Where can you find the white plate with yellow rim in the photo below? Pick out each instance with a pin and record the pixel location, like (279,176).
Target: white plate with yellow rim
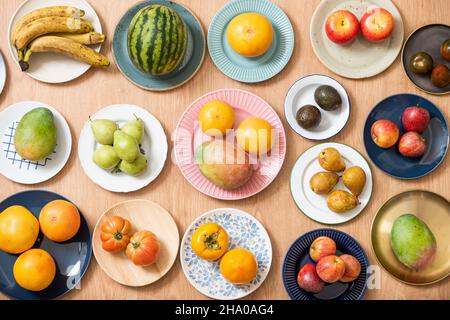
(314,205)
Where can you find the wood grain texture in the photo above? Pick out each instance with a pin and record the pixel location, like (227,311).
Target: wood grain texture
(144,215)
(273,207)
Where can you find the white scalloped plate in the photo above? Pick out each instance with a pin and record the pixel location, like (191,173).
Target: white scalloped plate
(154,144)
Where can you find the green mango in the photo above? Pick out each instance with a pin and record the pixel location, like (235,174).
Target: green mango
(223,164)
(412,242)
(35,136)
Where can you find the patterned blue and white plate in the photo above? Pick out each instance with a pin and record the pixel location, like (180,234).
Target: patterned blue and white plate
(298,255)
(257,69)
(243,231)
(20,170)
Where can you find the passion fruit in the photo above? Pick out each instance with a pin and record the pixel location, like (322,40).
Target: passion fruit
(308,116)
(445,50)
(327,98)
(421,63)
(440,76)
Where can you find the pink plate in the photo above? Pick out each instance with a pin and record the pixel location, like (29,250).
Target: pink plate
(188,136)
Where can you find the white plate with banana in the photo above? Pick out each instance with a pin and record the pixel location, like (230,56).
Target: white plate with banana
(56,41)
(122,148)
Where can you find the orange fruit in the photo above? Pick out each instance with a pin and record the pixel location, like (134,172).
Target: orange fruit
(59,220)
(250,34)
(19,229)
(239,266)
(254,135)
(34,270)
(216,117)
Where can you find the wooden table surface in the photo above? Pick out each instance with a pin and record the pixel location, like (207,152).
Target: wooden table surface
(274,206)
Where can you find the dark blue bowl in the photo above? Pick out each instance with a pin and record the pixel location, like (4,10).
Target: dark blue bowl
(71,257)
(298,255)
(390,160)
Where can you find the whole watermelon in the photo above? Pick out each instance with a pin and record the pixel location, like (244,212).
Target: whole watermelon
(157,40)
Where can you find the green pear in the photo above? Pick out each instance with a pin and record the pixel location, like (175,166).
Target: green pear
(134,128)
(105,157)
(134,168)
(103,131)
(126,147)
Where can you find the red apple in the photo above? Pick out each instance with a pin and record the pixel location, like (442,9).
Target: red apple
(412,145)
(415,119)
(377,24)
(308,279)
(384,133)
(352,268)
(330,268)
(322,247)
(342,26)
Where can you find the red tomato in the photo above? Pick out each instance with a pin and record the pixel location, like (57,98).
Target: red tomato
(143,248)
(114,234)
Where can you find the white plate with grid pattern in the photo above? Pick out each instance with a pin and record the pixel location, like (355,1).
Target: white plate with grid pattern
(20,170)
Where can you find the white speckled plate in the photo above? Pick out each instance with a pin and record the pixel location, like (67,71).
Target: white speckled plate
(361,58)
(243,231)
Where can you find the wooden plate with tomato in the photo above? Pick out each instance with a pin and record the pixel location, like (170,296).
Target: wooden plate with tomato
(130,233)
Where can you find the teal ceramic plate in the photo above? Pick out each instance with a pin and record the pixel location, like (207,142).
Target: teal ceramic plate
(257,69)
(194,55)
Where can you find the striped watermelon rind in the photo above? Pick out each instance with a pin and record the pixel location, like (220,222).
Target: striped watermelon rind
(157,40)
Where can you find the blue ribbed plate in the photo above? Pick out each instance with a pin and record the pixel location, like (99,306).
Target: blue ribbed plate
(194,55)
(298,255)
(257,69)
(71,257)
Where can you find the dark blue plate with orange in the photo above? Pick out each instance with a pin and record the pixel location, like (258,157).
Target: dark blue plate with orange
(71,257)
(298,255)
(390,160)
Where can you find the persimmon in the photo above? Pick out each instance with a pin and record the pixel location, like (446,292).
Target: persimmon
(239,266)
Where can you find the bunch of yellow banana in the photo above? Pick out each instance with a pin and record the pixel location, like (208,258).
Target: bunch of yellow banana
(57,29)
